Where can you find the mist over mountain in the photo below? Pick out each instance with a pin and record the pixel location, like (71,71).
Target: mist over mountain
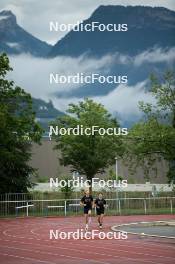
(148,46)
(147,27)
(15,40)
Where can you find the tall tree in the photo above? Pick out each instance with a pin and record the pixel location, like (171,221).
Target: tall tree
(154,137)
(88,154)
(18,129)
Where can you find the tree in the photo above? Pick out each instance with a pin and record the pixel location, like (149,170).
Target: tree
(68,189)
(88,154)
(17,130)
(154,137)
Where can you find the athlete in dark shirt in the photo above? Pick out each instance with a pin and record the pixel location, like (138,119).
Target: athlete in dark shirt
(100,205)
(87,203)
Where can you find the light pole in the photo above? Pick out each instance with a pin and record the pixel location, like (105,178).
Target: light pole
(74,176)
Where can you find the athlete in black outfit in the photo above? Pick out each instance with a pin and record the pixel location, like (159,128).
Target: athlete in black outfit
(87,202)
(100,204)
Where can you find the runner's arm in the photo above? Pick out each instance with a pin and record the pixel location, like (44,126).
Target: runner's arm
(82,203)
(95,204)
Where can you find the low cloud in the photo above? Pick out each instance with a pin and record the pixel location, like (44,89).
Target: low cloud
(123,100)
(156,55)
(33,75)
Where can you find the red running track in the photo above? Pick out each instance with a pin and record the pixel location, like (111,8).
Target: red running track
(26,241)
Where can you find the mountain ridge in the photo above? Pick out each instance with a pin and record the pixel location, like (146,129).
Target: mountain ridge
(16,40)
(146,26)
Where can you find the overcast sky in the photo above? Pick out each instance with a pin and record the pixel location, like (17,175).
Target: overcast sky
(34,16)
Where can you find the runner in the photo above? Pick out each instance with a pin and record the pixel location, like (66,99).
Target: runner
(87,202)
(100,204)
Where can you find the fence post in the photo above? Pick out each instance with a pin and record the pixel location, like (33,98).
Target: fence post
(145,206)
(171,205)
(116,205)
(65,207)
(6,204)
(119,206)
(16,211)
(27,209)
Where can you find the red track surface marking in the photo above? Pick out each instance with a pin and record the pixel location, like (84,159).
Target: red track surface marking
(26,241)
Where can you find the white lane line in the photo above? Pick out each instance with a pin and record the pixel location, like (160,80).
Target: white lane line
(96,253)
(106,242)
(126,251)
(27,258)
(55,254)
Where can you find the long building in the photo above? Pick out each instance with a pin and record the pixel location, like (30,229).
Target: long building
(46,160)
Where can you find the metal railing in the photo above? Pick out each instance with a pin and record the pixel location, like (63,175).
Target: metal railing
(68,207)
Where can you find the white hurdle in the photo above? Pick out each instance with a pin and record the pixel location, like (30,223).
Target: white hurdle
(24,206)
(58,206)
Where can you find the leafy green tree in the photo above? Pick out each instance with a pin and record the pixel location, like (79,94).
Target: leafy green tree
(17,130)
(112,176)
(154,137)
(88,154)
(68,189)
